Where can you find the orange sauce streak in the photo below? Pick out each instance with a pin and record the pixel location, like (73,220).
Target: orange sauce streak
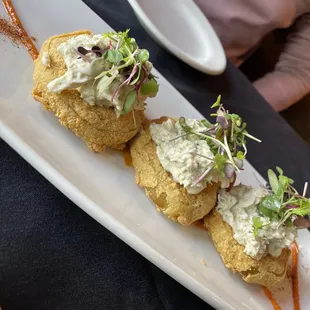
(296,301)
(200,224)
(295,276)
(271,299)
(27,42)
(159,120)
(127,157)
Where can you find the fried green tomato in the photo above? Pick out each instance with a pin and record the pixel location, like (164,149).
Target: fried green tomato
(170,197)
(97,126)
(267,271)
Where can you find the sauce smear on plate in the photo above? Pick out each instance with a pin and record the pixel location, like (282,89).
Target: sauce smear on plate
(294,282)
(127,157)
(271,299)
(295,276)
(9,30)
(25,39)
(200,224)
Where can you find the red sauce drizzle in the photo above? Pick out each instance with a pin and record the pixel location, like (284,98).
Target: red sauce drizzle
(127,157)
(27,42)
(271,299)
(295,276)
(159,120)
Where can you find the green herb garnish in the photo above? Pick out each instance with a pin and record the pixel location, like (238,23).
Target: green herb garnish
(113,57)
(149,88)
(131,97)
(226,139)
(270,206)
(143,56)
(257,224)
(123,57)
(283,203)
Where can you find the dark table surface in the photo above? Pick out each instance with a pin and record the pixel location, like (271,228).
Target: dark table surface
(54,256)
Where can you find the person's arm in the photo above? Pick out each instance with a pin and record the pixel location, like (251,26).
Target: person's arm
(290,81)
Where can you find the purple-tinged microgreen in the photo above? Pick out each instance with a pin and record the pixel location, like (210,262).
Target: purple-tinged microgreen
(126,82)
(226,139)
(82,55)
(201,177)
(283,203)
(122,55)
(193,154)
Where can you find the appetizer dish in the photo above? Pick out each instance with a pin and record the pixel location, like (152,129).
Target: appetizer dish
(252,228)
(181,163)
(96,85)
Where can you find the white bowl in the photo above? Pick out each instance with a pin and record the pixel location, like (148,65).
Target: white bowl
(180,27)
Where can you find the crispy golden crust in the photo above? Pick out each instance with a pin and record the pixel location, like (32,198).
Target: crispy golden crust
(97,126)
(170,197)
(267,271)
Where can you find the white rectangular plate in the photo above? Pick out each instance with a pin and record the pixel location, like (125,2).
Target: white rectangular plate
(103,186)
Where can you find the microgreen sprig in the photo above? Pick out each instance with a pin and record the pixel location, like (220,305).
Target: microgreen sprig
(124,57)
(226,139)
(284,204)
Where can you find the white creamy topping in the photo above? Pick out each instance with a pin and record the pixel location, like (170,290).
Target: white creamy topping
(46,61)
(80,74)
(238,208)
(178,156)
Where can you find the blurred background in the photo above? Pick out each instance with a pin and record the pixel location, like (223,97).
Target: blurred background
(262,61)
